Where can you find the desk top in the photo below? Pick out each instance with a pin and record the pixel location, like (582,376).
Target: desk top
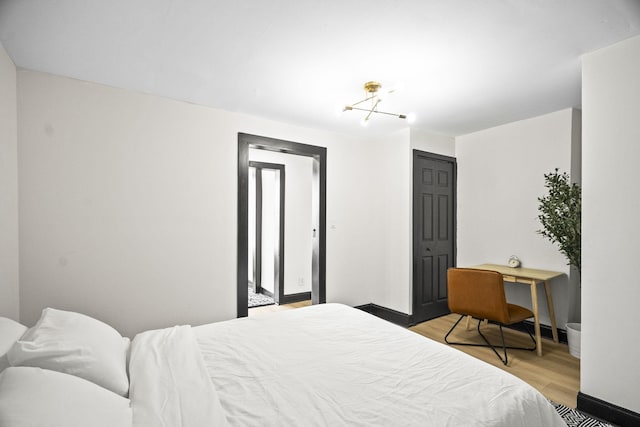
(520,272)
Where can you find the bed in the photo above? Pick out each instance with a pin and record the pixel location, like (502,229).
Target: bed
(324,365)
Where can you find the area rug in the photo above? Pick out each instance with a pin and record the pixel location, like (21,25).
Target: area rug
(575,418)
(258,300)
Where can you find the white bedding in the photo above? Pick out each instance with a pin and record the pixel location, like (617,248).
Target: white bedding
(169,384)
(326,365)
(332,365)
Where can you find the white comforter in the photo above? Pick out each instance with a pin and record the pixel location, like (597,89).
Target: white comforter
(326,365)
(168,382)
(331,365)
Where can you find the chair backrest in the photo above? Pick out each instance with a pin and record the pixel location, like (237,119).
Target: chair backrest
(478,293)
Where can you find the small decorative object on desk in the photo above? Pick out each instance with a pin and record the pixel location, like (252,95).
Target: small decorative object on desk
(514,261)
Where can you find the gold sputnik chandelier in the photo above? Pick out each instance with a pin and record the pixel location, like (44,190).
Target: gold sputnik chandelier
(373,97)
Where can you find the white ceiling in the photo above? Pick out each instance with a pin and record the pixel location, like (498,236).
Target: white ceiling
(465,65)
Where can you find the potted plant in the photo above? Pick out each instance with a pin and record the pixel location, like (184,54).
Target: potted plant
(560,215)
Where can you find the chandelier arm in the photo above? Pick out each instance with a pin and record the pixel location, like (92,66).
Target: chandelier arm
(364,100)
(371,94)
(373,110)
(379,112)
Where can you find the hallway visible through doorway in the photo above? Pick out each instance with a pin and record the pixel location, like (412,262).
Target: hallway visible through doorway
(258,300)
(283,258)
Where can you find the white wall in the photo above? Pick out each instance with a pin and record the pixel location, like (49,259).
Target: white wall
(298,219)
(128,206)
(9,274)
(500,176)
(611,232)
(432,143)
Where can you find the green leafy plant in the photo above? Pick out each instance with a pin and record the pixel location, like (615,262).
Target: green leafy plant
(560,215)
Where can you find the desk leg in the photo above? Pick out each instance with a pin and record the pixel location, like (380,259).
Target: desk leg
(552,314)
(536,316)
(485,322)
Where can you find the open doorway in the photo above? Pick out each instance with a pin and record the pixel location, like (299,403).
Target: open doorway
(266,233)
(318,224)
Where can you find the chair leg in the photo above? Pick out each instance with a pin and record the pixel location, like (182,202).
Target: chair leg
(504,360)
(504,347)
(451,330)
(535,345)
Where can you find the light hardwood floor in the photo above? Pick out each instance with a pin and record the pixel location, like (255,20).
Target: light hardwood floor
(556,374)
(273,308)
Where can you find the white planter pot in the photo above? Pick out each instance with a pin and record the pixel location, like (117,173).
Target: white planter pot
(573,337)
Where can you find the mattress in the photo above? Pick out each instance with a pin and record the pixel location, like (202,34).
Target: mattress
(333,365)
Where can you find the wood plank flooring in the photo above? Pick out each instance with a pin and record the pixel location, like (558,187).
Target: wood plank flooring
(256,311)
(556,374)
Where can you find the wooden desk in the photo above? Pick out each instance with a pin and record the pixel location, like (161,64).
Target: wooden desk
(531,277)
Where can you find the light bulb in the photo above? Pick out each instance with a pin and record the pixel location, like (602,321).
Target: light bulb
(411,118)
(341,108)
(382,95)
(364,122)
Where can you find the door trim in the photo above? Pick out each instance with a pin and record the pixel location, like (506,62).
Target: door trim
(415,248)
(278,294)
(319,201)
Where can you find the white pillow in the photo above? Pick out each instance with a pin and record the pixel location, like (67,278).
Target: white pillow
(38,397)
(75,344)
(10,332)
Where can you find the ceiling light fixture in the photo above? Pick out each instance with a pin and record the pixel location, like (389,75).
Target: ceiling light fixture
(373,96)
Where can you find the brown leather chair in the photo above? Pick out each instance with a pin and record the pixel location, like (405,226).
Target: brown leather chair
(480,294)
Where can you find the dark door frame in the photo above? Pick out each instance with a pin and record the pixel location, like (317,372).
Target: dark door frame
(278,282)
(319,209)
(415,245)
